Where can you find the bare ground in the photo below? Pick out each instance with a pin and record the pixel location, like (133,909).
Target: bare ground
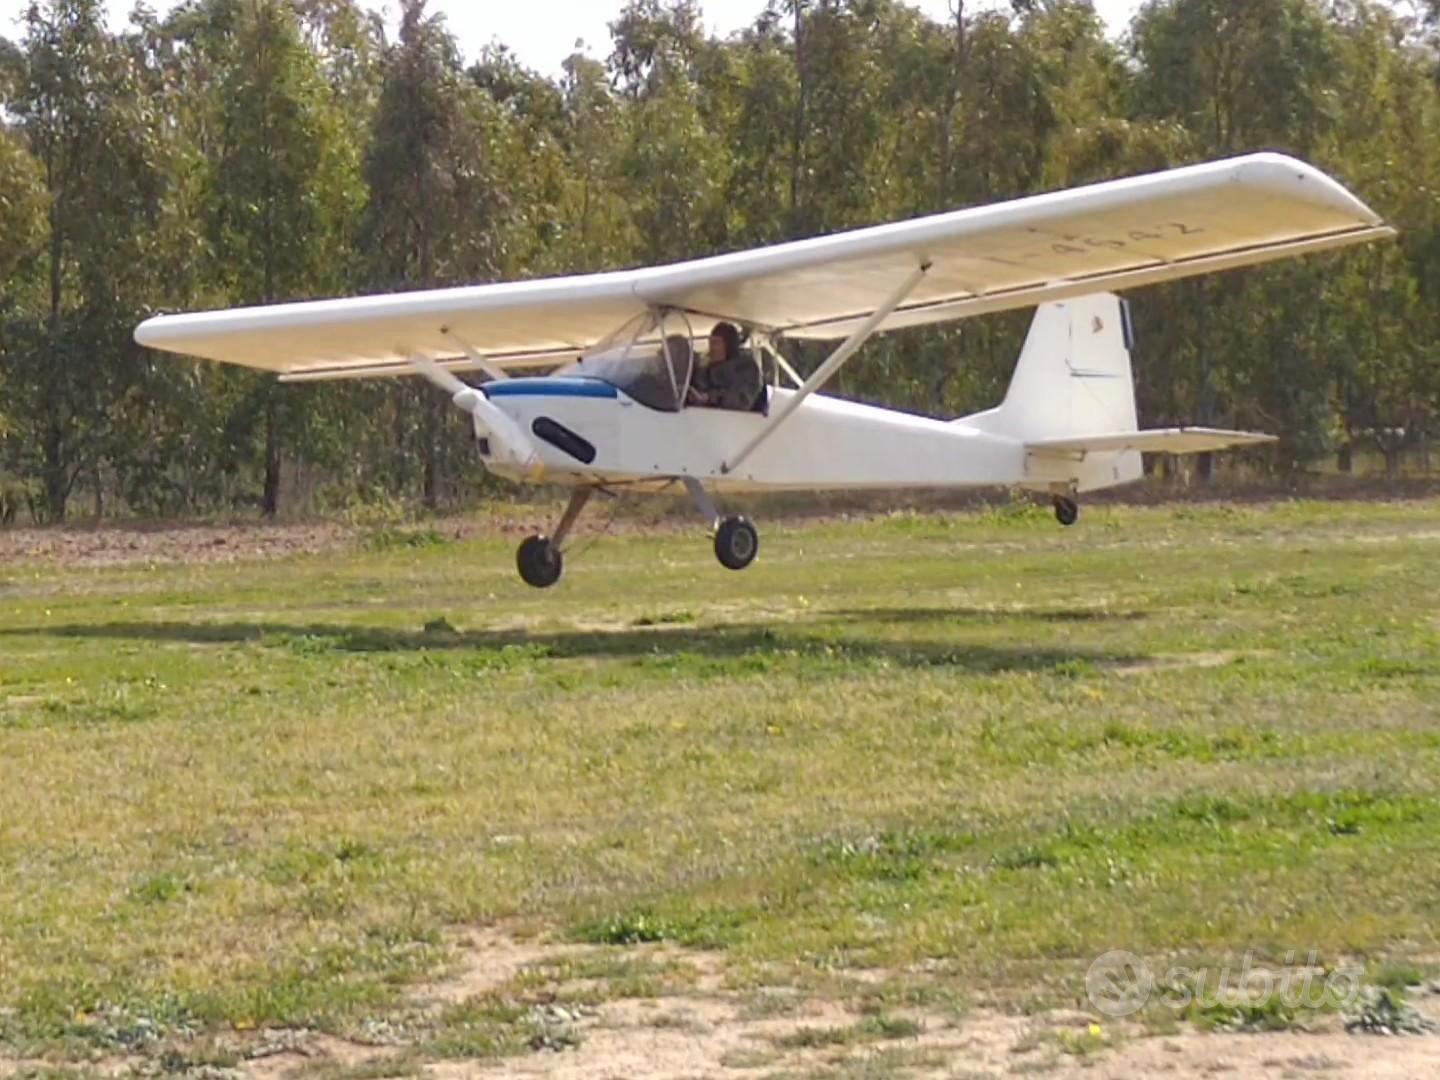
(712,1029)
(109,546)
(705,1026)
(140,542)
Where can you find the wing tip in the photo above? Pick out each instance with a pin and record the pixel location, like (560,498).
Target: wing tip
(1289,176)
(145,333)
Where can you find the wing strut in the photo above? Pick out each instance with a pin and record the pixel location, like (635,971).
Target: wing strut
(509,444)
(469,350)
(858,337)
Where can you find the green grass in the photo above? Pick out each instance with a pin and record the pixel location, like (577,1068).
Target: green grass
(258,794)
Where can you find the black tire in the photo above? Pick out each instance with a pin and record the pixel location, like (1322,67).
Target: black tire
(1067,511)
(539,562)
(736,543)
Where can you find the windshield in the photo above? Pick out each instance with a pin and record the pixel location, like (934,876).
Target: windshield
(649,358)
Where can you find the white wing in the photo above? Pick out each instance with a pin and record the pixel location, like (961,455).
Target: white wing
(1114,235)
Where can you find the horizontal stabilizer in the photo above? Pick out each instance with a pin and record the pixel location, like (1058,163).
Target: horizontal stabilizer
(1180,440)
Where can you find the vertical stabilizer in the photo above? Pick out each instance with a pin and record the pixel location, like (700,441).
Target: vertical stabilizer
(1073,379)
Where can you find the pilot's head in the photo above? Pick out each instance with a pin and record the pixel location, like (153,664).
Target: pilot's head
(724,343)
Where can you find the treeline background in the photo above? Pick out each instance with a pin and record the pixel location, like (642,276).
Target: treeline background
(247,151)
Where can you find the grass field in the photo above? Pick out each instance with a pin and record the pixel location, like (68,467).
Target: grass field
(960,755)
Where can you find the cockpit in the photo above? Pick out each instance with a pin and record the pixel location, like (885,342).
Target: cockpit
(652,359)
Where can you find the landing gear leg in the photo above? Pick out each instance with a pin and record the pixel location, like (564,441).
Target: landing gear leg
(701,498)
(539,559)
(736,541)
(1067,510)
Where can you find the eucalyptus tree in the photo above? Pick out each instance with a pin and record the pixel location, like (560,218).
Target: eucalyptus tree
(674,167)
(438,213)
(759,188)
(283,192)
(23,211)
(1233,77)
(24,204)
(594,226)
(76,98)
(1380,307)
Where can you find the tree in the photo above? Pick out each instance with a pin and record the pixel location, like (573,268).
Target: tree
(437,215)
(673,174)
(594,228)
(24,204)
(76,94)
(283,191)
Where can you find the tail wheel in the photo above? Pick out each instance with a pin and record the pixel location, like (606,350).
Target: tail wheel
(539,562)
(736,543)
(1067,510)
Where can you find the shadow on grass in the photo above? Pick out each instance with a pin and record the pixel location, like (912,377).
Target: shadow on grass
(973,614)
(743,641)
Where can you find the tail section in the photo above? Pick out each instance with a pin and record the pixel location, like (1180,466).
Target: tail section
(1072,402)
(1073,377)
(1073,380)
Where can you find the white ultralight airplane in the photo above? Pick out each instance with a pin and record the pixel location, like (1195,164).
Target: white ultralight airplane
(621,416)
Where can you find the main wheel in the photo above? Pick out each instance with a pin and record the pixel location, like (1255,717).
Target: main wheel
(539,561)
(736,543)
(1067,511)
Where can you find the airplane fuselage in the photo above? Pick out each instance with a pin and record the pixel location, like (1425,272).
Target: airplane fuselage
(827,443)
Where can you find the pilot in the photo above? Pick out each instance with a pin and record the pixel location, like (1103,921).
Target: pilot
(725,378)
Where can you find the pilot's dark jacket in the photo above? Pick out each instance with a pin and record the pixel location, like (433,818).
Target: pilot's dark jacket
(730,384)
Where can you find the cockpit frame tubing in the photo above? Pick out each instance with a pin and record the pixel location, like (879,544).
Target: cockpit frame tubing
(767,346)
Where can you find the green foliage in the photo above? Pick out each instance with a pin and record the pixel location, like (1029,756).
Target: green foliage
(239,152)
(24,202)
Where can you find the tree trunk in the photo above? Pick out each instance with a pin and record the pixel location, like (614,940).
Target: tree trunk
(797,128)
(1205,467)
(952,102)
(1345,459)
(270,500)
(56,475)
(1392,461)
(430,481)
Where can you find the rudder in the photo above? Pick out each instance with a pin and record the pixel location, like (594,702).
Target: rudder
(1073,376)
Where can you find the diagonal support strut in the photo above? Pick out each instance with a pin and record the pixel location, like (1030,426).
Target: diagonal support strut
(701,498)
(474,355)
(832,364)
(578,498)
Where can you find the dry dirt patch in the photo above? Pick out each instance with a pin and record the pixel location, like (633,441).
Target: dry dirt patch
(116,547)
(702,1025)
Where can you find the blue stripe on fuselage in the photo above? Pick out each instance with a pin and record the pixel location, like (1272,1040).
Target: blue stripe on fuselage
(550,386)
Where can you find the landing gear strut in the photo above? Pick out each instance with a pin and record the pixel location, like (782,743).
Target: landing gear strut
(539,557)
(736,541)
(1067,510)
